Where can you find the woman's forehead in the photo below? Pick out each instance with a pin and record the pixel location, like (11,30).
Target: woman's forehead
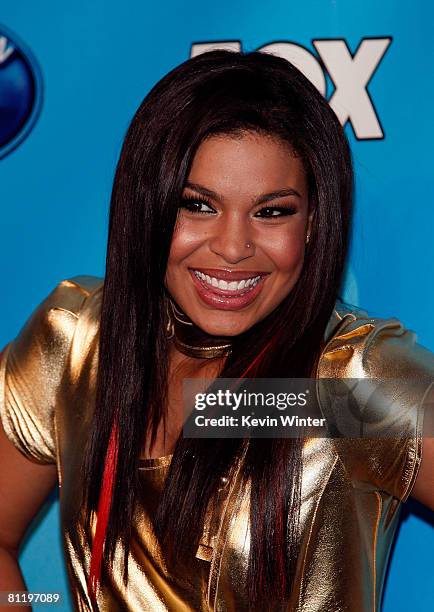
(248,164)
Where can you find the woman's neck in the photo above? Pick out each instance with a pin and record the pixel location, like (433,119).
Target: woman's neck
(184,366)
(191,340)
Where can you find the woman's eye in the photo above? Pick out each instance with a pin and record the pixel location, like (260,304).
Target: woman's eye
(196,205)
(276,211)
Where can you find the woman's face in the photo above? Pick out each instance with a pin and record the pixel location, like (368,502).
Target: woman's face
(241,190)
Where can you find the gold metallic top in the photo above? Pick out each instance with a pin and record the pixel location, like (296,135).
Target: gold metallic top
(351,489)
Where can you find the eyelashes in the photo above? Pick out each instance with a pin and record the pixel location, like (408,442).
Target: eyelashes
(285,211)
(194,203)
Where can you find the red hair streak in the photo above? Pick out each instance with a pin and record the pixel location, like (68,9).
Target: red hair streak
(258,357)
(104,503)
(105,496)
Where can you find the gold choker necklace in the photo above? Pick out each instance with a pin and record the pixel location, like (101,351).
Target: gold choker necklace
(190,339)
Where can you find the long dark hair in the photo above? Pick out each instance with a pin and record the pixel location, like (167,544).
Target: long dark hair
(219,92)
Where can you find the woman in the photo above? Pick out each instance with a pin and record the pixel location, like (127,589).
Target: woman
(228,233)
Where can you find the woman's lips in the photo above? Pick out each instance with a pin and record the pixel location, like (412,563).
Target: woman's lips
(224,298)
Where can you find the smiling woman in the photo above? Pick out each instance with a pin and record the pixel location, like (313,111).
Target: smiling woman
(228,234)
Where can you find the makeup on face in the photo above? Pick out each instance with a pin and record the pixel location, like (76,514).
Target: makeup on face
(217,289)
(241,191)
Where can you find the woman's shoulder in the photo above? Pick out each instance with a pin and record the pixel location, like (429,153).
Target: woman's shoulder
(71,293)
(359,345)
(52,321)
(58,312)
(33,363)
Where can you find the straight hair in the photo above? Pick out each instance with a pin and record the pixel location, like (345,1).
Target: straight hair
(218,92)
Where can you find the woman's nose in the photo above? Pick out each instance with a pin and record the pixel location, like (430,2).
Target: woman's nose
(232,240)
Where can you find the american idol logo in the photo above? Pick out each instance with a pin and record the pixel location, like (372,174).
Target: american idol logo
(20,91)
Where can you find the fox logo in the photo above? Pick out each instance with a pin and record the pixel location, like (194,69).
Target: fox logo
(349,73)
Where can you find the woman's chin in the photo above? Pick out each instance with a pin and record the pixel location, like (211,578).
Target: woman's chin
(221,328)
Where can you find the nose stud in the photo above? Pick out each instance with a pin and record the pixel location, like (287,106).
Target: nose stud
(248,245)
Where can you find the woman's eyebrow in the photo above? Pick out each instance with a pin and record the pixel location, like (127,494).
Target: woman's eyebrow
(279,193)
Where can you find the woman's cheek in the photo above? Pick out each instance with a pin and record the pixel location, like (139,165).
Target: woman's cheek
(184,244)
(185,241)
(286,249)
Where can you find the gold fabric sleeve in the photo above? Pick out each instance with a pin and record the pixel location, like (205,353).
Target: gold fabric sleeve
(402,370)
(31,368)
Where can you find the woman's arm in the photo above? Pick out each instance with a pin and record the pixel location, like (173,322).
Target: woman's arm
(24,486)
(423,489)
(32,366)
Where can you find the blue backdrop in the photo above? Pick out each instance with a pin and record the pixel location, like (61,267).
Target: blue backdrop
(71,77)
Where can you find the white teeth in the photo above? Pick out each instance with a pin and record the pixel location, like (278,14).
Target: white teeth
(228,286)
